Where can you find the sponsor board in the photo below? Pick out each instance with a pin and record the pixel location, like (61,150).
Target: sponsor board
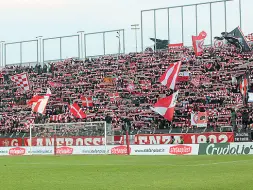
(164,149)
(120,150)
(180,149)
(19,151)
(193,138)
(64,150)
(110,149)
(226,148)
(242,137)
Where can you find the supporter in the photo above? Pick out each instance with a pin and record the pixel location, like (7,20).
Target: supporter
(233,119)
(181,140)
(172,140)
(216,92)
(245,119)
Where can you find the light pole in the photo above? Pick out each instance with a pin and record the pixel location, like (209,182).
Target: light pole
(135,28)
(2,53)
(80,43)
(39,50)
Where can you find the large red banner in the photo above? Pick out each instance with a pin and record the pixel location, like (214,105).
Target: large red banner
(138,139)
(11,141)
(60,141)
(188,138)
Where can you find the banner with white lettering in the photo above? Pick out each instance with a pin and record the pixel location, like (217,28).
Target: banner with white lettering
(164,149)
(190,138)
(242,137)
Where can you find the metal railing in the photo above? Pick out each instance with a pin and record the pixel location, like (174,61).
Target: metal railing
(81,37)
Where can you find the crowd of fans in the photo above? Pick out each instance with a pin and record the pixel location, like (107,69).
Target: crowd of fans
(212,87)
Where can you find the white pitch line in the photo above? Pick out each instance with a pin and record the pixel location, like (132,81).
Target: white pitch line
(134,164)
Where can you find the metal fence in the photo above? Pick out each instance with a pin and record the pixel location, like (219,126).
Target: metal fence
(181,7)
(82,46)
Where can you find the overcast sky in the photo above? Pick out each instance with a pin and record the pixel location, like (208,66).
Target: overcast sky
(26,19)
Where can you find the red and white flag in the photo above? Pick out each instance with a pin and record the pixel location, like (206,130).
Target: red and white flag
(29,121)
(183,76)
(87,101)
(54,84)
(198,42)
(169,78)
(114,96)
(176,45)
(76,111)
(34,99)
(21,81)
(39,103)
(165,106)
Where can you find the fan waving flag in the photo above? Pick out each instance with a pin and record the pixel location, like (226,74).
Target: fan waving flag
(237,38)
(169,78)
(198,42)
(165,106)
(39,103)
(87,101)
(21,81)
(77,111)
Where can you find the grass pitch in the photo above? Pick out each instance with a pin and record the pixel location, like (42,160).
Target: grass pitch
(126,172)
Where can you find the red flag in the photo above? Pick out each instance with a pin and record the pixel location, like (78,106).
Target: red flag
(87,101)
(165,106)
(34,100)
(198,42)
(176,45)
(114,96)
(203,34)
(76,111)
(169,78)
(29,121)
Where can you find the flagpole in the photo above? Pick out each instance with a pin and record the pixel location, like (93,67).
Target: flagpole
(225,14)
(240,13)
